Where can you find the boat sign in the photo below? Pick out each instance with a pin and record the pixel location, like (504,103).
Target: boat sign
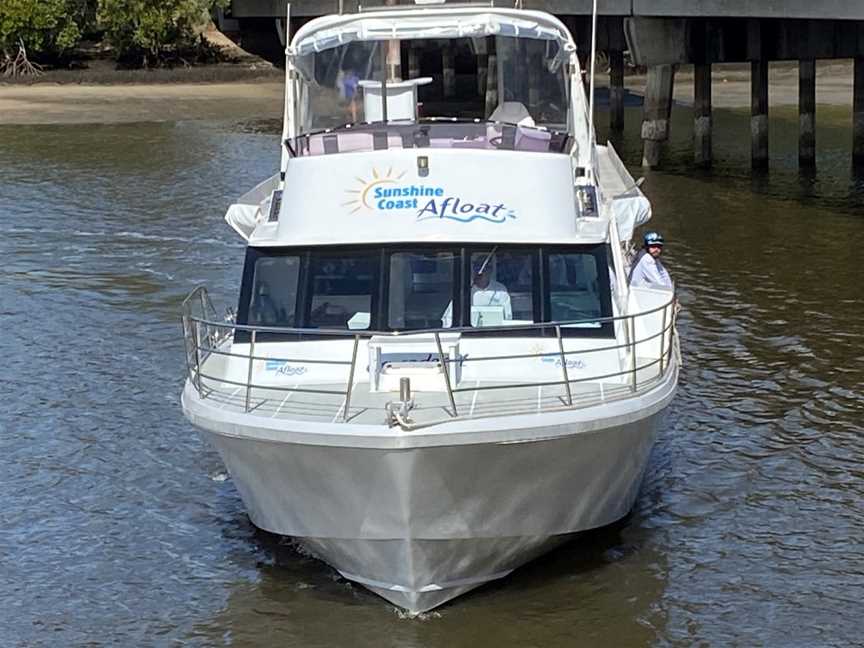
(285,369)
(388,191)
(461,195)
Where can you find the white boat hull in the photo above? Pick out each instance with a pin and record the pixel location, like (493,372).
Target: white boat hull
(421,525)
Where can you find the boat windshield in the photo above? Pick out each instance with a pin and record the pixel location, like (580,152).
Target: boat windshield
(506,79)
(403,288)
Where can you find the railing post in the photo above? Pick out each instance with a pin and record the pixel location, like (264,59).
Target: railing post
(204,312)
(672,325)
(663,340)
(351,378)
(564,366)
(446,368)
(197,340)
(633,349)
(249,373)
(186,350)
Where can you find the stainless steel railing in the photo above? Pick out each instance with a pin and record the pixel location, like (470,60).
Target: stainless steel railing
(205,336)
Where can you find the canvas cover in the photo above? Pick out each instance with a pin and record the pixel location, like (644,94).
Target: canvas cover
(335,31)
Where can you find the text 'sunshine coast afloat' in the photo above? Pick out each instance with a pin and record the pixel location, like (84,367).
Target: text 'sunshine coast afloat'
(437,370)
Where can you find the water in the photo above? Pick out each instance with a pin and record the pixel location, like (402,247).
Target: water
(118,525)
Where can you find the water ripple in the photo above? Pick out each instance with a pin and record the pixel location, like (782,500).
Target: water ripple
(120,526)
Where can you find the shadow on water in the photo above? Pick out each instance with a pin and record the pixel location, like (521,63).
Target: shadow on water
(299,597)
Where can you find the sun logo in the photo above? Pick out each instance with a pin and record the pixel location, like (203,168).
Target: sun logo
(362,197)
(536,349)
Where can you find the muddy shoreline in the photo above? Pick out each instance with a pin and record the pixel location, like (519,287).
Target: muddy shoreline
(233,92)
(259,98)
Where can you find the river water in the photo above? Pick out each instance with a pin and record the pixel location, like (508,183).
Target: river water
(118,526)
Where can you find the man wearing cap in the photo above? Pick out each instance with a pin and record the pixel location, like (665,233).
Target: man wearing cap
(485,291)
(648,270)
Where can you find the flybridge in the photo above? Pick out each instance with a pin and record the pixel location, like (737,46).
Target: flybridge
(347,70)
(383,154)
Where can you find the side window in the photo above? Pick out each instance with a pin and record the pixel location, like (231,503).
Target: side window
(274,291)
(610,264)
(421,290)
(341,285)
(574,291)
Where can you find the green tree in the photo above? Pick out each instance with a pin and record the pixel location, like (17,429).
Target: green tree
(39,29)
(148,31)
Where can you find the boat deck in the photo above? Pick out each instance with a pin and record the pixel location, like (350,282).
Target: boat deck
(369,408)
(612,173)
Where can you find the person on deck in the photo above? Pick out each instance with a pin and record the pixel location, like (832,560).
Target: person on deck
(648,270)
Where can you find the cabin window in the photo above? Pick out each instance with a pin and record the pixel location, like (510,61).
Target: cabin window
(502,287)
(405,288)
(421,290)
(274,291)
(341,289)
(574,288)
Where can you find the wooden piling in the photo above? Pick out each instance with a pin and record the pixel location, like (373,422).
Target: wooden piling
(858,113)
(807,112)
(702,114)
(616,47)
(759,114)
(657,110)
(616,90)
(756,54)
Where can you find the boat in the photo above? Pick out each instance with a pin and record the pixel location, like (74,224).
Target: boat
(436,371)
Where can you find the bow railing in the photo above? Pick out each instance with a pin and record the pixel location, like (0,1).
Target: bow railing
(650,331)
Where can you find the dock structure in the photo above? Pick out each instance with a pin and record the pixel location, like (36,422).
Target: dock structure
(659,35)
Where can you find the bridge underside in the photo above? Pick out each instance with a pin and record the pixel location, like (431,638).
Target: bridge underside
(806,9)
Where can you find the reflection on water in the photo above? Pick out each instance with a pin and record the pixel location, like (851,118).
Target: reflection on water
(564,595)
(117,523)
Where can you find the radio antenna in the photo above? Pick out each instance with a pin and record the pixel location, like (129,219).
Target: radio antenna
(591,64)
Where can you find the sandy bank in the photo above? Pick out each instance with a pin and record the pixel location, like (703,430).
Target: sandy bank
(261,98)
(730,84)
(105,104)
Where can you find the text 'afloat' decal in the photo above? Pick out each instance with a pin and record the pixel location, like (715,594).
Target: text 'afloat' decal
(386,193)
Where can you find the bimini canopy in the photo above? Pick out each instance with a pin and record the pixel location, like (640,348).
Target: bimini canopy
(427,23)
